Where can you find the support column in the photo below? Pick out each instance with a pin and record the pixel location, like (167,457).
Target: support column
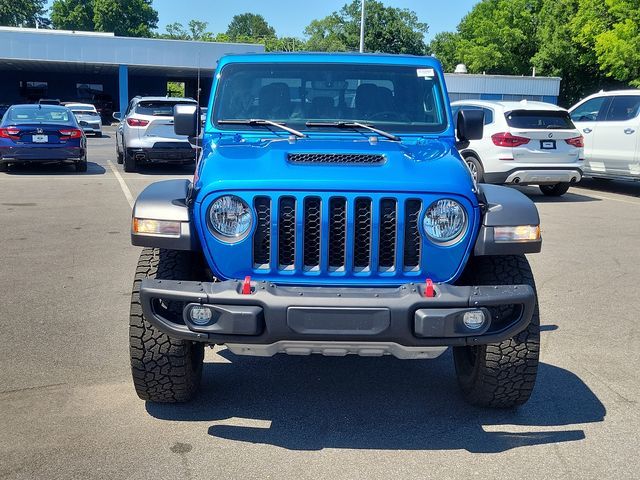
(123,87)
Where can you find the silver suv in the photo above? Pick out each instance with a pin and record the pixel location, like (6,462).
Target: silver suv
(145,133)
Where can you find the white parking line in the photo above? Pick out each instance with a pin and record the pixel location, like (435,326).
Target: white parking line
(603,197)
(123,185)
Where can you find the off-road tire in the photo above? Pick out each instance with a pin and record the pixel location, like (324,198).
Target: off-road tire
(164,369)
(500,375)
(130,164)
(472,160)
(556,190)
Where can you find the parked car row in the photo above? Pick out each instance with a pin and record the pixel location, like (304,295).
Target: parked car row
(535,143)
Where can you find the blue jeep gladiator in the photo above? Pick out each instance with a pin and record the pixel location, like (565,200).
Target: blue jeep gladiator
(331,213)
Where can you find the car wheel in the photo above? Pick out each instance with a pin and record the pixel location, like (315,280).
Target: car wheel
(119,156)
(4,167)
(129,162)
(164,369)
(500,375)
(556,190)
(98,134)
(475,166)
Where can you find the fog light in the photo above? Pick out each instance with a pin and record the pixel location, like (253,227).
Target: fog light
(200,315)
(473,319)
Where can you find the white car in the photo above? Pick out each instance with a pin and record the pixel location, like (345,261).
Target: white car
(87,116)
(524,143)
(610,124)
(145,133)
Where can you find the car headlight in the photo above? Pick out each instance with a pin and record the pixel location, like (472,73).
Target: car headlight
(444,220)
(230,218)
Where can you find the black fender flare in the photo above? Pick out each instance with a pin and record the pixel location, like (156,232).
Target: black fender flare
(505,207)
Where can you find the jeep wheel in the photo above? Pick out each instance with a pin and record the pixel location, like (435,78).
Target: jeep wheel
(129,162)
(475,166)
(500,375)
(164,369)
(556,190)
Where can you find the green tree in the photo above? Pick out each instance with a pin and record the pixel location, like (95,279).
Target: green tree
(249,25)
(444,46)
(618,48)
(387,29)
(72,15)
(196,30)
(23,13)
(127,18)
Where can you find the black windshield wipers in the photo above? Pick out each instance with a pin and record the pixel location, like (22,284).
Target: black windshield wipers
(355,125)
(262,122)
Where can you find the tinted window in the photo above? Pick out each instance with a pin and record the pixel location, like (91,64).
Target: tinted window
(28,114)
(158,108)
(623,108)
(394,97)
(588,111)
(539,119)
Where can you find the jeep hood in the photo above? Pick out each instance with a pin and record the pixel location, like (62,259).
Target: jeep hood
(413,165)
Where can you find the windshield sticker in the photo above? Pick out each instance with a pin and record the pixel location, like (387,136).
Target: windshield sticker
(425,72)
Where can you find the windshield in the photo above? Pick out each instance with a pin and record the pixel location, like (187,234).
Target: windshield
(539,119)
(391,97)
(158,108)
(28,114)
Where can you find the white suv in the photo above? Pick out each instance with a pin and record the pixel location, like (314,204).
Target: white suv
(524,143)
(145,133)
(610,123)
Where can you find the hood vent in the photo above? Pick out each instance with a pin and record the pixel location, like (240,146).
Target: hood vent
(336,158)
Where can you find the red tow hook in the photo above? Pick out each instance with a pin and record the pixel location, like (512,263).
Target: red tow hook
(429,291)
(246,285)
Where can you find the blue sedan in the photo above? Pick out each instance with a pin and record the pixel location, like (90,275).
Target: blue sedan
(42,134)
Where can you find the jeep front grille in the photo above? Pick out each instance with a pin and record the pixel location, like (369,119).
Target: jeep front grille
(336,158)
(335,234)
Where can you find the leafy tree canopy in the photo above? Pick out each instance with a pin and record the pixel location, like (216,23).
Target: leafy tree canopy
(23,13)
(387,29)
(249,25)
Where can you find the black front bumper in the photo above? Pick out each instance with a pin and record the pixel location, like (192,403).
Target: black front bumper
(403,315)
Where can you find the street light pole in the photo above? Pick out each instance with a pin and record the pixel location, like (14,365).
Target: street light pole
(362,28)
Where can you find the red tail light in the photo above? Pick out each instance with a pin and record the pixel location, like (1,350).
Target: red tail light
(136,122)
(576,141)
(505,139)
(12,133)
(70,133)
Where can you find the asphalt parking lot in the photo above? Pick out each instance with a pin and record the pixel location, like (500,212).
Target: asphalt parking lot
(68,409)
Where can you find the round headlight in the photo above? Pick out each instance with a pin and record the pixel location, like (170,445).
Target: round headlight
(444,220)
(230,217)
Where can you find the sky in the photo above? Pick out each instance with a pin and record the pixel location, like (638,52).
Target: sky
(290,17)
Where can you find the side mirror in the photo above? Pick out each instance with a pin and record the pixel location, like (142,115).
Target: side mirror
(186,120)
(470,125)
(117,116)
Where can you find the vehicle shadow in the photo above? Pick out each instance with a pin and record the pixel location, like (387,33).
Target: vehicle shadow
(54,169)
(534,193)
(312,403)
(621,187)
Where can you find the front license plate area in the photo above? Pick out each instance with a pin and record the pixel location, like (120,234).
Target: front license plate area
(338,320)
(547,145)
(40,138)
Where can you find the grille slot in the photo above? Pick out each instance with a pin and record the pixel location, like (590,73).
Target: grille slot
(362,234)
(336,158)
(387,242)
(287,232)
(262,236)
(412,238)
(312,228)
(337,232)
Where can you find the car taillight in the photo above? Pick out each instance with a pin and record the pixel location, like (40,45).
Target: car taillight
(70,133)
(505,139)
(576,141)
(12,133)
(136,122)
